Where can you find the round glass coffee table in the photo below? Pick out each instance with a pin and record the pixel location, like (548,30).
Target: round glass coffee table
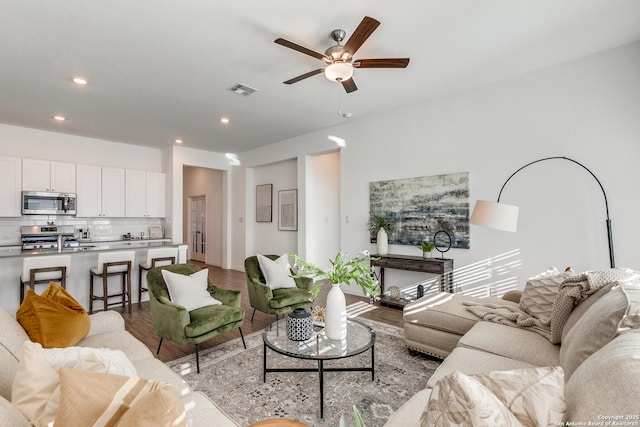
(360,338)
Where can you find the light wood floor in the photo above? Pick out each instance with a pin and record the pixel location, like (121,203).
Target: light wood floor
(139,324)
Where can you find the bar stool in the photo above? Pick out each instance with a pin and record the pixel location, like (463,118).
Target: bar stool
(156,257)
(44,269)
(112,264)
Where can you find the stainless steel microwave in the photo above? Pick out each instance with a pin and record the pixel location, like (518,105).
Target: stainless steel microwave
(45,203)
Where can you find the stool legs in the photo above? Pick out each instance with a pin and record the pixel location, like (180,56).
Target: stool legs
(125,292)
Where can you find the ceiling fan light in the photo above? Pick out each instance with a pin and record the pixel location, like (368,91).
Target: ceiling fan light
(338,71)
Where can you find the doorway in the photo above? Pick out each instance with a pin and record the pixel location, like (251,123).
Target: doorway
(197,228)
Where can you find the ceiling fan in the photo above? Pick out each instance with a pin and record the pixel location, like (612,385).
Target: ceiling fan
(339,58)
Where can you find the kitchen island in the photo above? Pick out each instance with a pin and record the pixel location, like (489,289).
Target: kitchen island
(83,258)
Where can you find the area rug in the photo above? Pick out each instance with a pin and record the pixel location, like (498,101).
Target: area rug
(232,377)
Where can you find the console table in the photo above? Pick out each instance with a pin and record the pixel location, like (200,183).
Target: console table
(441,266)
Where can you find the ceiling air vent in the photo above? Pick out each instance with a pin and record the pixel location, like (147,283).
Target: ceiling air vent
(243,90)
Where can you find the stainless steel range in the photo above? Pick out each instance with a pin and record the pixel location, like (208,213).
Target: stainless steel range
(48,237)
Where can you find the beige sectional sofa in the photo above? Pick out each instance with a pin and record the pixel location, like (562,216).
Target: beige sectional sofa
(107,331)
(599,352)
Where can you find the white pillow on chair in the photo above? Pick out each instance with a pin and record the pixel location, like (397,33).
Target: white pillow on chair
(277,273)
(189,292)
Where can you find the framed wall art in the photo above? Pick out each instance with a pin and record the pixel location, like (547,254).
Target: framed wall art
(264,203)
(421,207)
(288,210)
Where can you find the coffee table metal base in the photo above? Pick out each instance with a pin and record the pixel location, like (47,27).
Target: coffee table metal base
(321,370)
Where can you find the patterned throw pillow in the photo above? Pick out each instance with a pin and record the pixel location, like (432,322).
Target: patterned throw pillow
(459,400)
(94,398)
(540,293)
(528,397)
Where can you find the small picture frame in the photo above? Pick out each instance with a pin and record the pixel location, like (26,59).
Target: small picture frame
(288,210)
(264,203)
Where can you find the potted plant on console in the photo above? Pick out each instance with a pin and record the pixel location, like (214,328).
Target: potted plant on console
(343,270)
(382,224)
(426,247)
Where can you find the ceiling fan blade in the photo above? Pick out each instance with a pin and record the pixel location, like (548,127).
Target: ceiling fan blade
(360,35)
(381,63)
(297,47)
(303,76)
(349,85)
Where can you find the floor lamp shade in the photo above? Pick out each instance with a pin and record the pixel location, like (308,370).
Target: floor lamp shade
(500,216)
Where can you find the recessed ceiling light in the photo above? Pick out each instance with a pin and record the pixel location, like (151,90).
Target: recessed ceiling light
(60,118)
(340,142)
(224,120)
(178,141)
(79,81)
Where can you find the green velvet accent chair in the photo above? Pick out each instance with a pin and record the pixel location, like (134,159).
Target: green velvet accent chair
(175,323)
(278,301)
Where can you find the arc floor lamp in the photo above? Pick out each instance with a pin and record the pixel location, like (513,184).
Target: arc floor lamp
(502,216)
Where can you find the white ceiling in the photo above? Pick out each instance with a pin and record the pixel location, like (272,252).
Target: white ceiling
(160,69)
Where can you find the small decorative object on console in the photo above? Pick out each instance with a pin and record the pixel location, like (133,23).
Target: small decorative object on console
(299,325)
(394,292)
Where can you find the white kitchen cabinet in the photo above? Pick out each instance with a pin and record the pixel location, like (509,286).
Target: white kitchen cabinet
(145,194)
(113,192)
(10,195)
(43,175)
(100,191)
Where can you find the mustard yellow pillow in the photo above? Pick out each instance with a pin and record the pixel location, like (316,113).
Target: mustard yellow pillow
(53,319)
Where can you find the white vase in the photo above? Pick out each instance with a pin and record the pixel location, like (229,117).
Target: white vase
(335,322)
(382,242)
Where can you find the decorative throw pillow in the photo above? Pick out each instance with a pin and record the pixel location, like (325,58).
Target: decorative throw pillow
(111,396)
(459,400)
(191,291)
(540,293)
(53,319)
(277,272)
(36,386)
(534,396)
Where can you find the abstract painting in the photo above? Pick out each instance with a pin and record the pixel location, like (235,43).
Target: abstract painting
(420,207)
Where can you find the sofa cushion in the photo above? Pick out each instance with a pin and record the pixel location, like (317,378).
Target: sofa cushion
(154,369)
(445,311)
(206,319)
(289,296)
(514,343)
(581,308)
(53,319)
(617,310)
(460,400)
(11,416)
(608,382)
(119,340)
(410,412)
(112,396)
(12,336)
(469,361)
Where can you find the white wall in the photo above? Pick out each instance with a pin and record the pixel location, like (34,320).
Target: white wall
(586,109)
(37,144)
(176,158)
(268,239)
(322,205)
(209,183)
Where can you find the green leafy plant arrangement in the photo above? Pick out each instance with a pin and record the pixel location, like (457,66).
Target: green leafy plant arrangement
(376,222)
(427,246)
(357,419)
(343,270)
